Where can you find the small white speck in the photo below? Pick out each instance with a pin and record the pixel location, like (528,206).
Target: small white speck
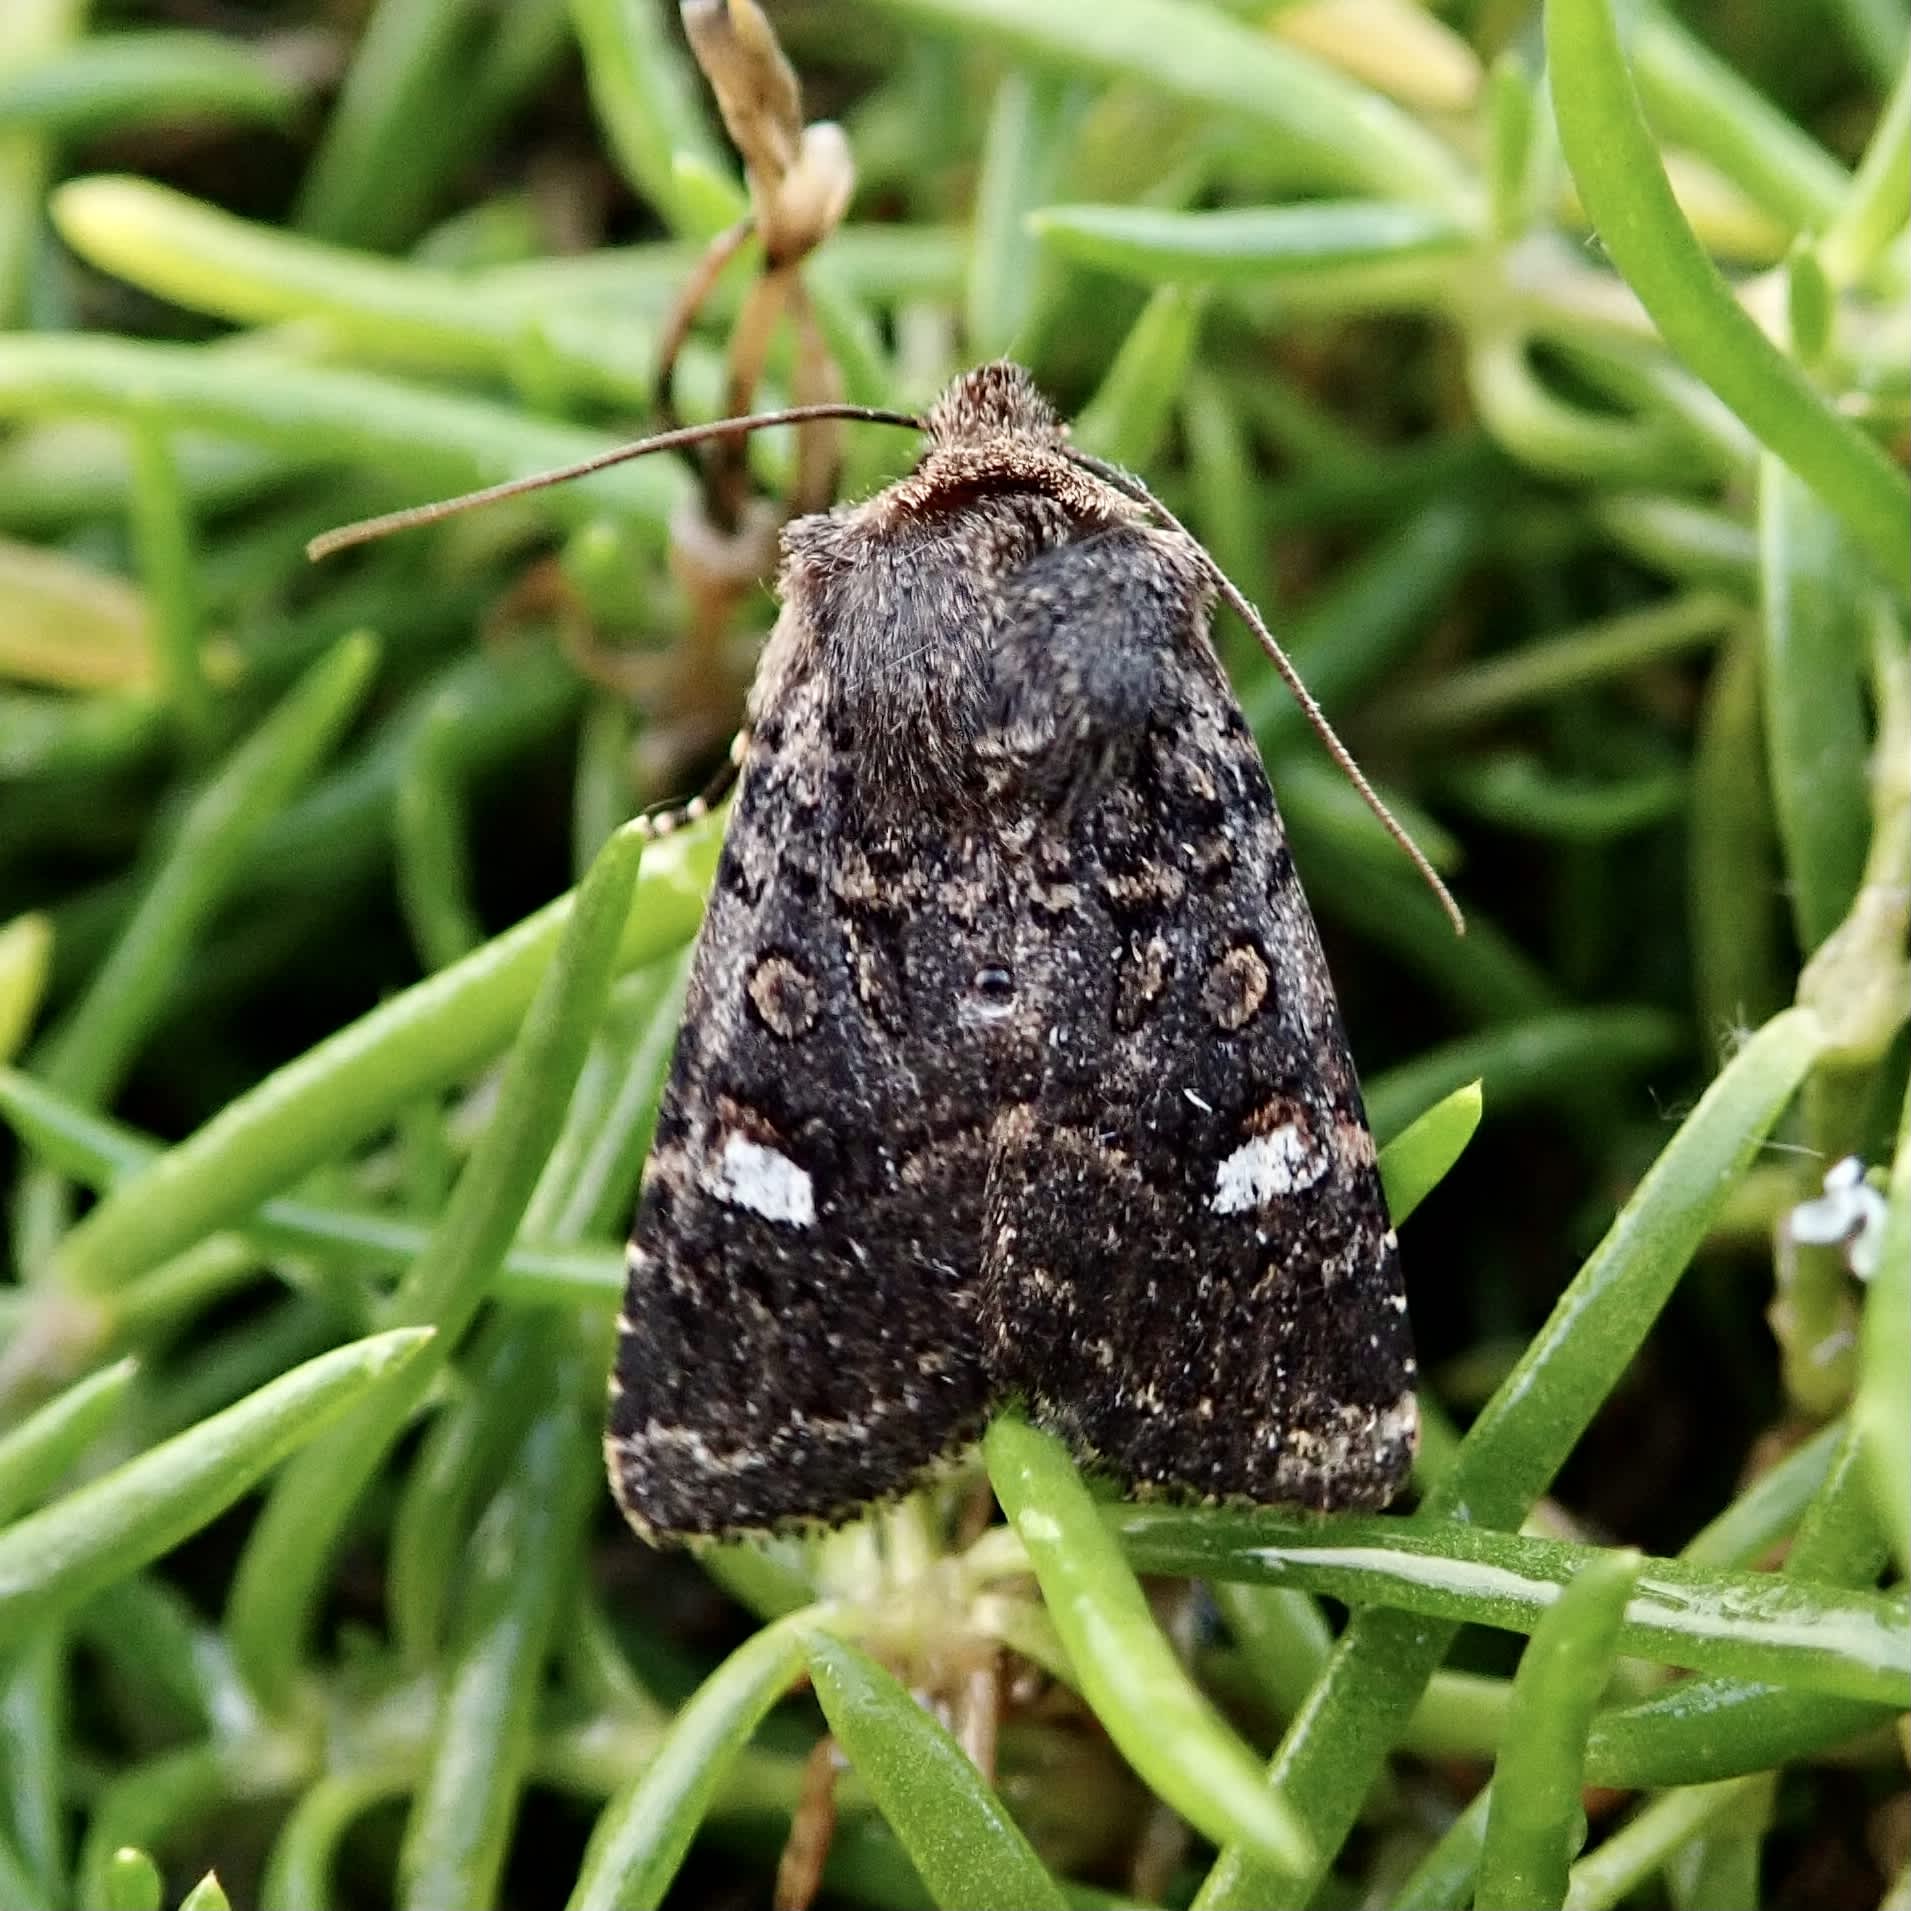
(1278,1162)
(1037,1525)
(1849,1214)
(1207,1108)
(748,1175)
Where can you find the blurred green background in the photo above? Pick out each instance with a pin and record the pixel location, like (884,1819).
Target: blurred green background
(1553,405)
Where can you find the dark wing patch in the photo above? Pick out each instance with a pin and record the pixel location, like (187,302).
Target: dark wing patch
(1189,1268)
(799,1334)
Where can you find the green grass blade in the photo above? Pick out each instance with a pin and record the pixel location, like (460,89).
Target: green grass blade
(1129,1674)
(207,1895)
(1422,1153)
(1023,154)
(131,1882)
(427,441)
(644,1832)
(1538,1059)
(39,1450)
(1134,405)
(99,1153)
(1247,243)
(966,1848)
(26,945)
(1534,1825)
(88,1054)
(298,1872)
(1338,129)
(1812,679)
(1792,1631)
(1873,212)
(1332,1752)
(1623,186)
(1884,1383)
(276,1586)
(464,1808)
(645,93)
(118,80)
(100,1532)
(352,1084)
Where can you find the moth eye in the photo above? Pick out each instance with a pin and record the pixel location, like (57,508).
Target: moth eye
(994,988)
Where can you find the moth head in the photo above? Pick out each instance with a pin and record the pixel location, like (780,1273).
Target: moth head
(999,400)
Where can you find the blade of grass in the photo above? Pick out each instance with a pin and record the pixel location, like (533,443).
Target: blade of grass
(192,870)
(1568,661)
(1873,210)
(1733,862)
(1130,1676)
(101,1153)
(1885,1373)
(464,1808)
(384,151)
(298,1872)
(87,1055)
(350,1085)
(1623,187)
(279,1578)
(429,836)
(964,1845)
(1419,1156)
(169,569)
(1333,1750)
(644,1832)
(392,313)
(1711,1728)
(428,441)
(26,948)
(39,1450)
(1031,124)
(1327,124)
(1537,1059)
(1697,101)
(1812,674)
(1249,243)
(645,95)
(53,1559)
(1534,1825)
(1134,404)
(1643,1847)
(29,31)
(1368,617)
(207,1895)
(34,1729)
(110,81)
(1849,1643)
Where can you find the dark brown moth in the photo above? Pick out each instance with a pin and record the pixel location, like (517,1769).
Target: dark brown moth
(1010,1066)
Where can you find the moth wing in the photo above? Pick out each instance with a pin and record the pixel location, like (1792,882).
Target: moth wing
(1190,1270)
(798,1335)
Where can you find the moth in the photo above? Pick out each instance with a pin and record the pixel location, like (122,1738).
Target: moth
(1010,1067)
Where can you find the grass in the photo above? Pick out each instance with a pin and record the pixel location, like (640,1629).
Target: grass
(1541,372)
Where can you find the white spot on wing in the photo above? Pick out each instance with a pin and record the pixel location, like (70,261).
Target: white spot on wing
(751,1176)
(1277,1162)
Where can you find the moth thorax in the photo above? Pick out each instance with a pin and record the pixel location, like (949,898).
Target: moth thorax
(993,401)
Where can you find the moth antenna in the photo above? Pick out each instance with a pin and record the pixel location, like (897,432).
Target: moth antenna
(1232,596)
(366,530)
